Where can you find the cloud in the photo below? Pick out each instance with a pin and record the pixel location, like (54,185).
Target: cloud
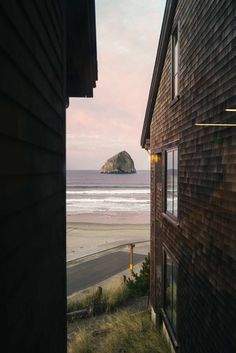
(127,36)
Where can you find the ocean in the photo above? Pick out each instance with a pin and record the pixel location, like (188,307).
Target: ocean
(108,198)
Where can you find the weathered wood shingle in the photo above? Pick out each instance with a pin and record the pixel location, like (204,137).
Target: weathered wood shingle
(205,241)
(32,177)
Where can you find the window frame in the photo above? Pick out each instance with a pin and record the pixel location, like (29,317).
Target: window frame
(171,214)
(172,331)
(175,75)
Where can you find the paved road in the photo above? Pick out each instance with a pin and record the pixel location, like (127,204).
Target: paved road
(87,274)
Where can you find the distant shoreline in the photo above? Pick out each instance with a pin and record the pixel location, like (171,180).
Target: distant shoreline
(97,170)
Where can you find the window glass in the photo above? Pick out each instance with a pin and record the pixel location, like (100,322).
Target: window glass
(170,289)
(169,182)
(175,52)
(168,285)
(175,184)
(172,182)
(175,64)
(174,295)
(175,85)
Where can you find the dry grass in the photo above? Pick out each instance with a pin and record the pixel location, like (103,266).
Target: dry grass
(116,296)
(124,332)
(82,342)
(111,299)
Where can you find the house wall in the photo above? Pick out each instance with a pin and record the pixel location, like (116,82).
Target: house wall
(203,239)
(32,174)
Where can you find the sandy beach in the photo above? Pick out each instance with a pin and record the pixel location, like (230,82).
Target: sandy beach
(87,238)
(141,218)
(105,213)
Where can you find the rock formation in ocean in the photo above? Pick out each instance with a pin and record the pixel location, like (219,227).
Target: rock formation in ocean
(121,163)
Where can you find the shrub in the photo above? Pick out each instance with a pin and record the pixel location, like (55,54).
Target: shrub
(138,284)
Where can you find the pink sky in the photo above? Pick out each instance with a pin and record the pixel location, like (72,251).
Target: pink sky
(111,121)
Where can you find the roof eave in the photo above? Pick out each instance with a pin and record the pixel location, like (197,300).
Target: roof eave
(158,67)
(81,48)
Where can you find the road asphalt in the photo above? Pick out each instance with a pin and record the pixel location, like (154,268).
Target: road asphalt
(85,274)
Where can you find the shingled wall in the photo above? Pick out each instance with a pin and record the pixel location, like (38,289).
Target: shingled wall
(32,176)
(203,240)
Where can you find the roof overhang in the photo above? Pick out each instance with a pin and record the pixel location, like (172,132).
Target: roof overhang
(81,48)
(167,23)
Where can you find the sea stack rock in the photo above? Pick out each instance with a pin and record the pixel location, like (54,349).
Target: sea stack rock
(121,163)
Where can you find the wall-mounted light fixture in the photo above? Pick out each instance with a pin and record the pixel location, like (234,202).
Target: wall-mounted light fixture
(155,155)
(230,110)
(155,158)
(219,124)
(215,124)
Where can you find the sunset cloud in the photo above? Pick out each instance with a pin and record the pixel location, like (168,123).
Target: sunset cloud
(127,38)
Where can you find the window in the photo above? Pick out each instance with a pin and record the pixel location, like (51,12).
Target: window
(172,182)
(175,63)
(170,289)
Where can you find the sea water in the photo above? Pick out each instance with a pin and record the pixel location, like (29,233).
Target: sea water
(112,195)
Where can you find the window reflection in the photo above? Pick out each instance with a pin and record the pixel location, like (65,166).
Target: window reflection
(170,289)
(169,182)
(172,182)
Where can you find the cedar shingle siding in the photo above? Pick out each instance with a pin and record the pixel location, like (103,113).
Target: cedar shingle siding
(32,174)
(202,241)
(32,149)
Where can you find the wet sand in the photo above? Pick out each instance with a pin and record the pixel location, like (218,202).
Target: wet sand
(87,238)
(111,218)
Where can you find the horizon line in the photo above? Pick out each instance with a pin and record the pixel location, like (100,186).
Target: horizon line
(97,170)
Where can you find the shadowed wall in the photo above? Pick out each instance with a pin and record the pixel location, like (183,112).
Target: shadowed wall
(32,174)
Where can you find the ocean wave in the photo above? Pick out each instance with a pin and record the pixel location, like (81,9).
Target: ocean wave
(109,199)
(107,208)
(106,186)
(107,192)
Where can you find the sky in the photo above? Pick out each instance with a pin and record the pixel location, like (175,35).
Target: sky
(110,122)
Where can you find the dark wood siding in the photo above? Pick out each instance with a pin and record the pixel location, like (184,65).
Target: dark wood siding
(204,243)
(32,176)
